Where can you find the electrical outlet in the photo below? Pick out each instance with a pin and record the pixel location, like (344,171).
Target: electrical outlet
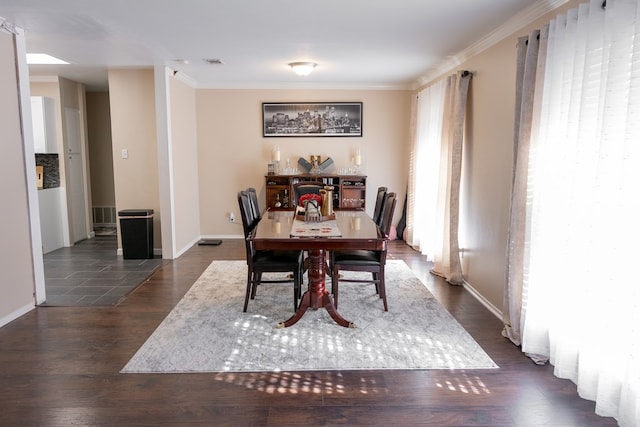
(232,218)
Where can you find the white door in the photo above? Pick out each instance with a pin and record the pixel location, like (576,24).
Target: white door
(73,129)
(76,179)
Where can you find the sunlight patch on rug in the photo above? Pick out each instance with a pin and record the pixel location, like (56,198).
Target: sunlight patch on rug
(208,332)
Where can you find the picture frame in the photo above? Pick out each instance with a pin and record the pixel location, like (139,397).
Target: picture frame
(311,119)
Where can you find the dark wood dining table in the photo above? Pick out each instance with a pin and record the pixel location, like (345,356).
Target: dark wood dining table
(357,231)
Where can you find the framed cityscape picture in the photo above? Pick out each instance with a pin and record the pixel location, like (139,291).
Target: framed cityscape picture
(299,119)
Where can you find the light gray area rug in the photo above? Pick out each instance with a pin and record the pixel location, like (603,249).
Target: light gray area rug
(208,332)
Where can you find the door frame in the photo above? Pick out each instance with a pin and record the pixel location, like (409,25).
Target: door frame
(24,91)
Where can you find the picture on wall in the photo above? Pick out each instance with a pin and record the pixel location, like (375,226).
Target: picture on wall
(299,119)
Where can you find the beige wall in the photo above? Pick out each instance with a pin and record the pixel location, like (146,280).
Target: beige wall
(100,150)
(133,127)
(17,283)
(184,154)
(233,155)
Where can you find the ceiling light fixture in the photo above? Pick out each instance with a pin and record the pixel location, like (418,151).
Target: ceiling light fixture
(43,59)
(302,68)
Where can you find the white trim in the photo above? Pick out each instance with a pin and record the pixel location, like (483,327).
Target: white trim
(16,313)
(514,24)
(187,247)
(306,86)
(477,295)
(184,78)
(7,27)
(39,291)
(222,236)
(165,161)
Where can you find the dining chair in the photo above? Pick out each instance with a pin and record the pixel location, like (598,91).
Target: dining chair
(255,207)
(259,262)
(303,188)
(377,210)
(362,260)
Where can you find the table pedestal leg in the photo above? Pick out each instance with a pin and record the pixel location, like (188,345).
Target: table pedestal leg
(317,296)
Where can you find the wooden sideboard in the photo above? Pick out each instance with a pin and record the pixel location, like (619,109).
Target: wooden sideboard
(349,191)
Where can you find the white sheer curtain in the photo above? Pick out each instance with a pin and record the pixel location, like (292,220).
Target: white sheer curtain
(424,170)
(582,305)
(436,163)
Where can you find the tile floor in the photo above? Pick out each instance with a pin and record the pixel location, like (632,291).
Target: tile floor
(91,273)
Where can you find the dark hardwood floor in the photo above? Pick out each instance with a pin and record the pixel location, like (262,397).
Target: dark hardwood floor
(59,366)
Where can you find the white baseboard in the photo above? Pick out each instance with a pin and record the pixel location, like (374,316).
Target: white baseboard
(477,295)
(15,314)
(222,236)
(188,246)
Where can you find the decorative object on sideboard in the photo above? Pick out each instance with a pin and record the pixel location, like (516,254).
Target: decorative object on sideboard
(315,163)
(275,156)
(304,165)
(326,164)
(357,160)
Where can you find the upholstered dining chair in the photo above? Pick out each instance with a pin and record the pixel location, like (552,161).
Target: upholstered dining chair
(303,188)
(259,262)
(255,207)
(377,210)
(362,260)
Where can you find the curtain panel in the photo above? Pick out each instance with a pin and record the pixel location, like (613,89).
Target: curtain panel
(435,172)
(424,169)
(573,247)
(530,54)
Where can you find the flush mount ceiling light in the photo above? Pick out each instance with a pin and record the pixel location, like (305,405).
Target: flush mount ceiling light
(302,68)
(43,59)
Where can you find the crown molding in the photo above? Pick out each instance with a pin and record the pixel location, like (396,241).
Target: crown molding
(304,86)
(184,78)
(514,24)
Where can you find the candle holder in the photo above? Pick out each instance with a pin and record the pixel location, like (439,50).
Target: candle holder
(275,156)
(357,161)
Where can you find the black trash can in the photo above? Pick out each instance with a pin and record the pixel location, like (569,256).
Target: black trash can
(136,230)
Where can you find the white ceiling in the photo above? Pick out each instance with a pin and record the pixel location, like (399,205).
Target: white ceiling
(357,43)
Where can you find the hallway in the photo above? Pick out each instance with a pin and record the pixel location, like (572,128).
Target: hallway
(90,273)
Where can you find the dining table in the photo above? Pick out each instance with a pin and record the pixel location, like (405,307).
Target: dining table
(344,230)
